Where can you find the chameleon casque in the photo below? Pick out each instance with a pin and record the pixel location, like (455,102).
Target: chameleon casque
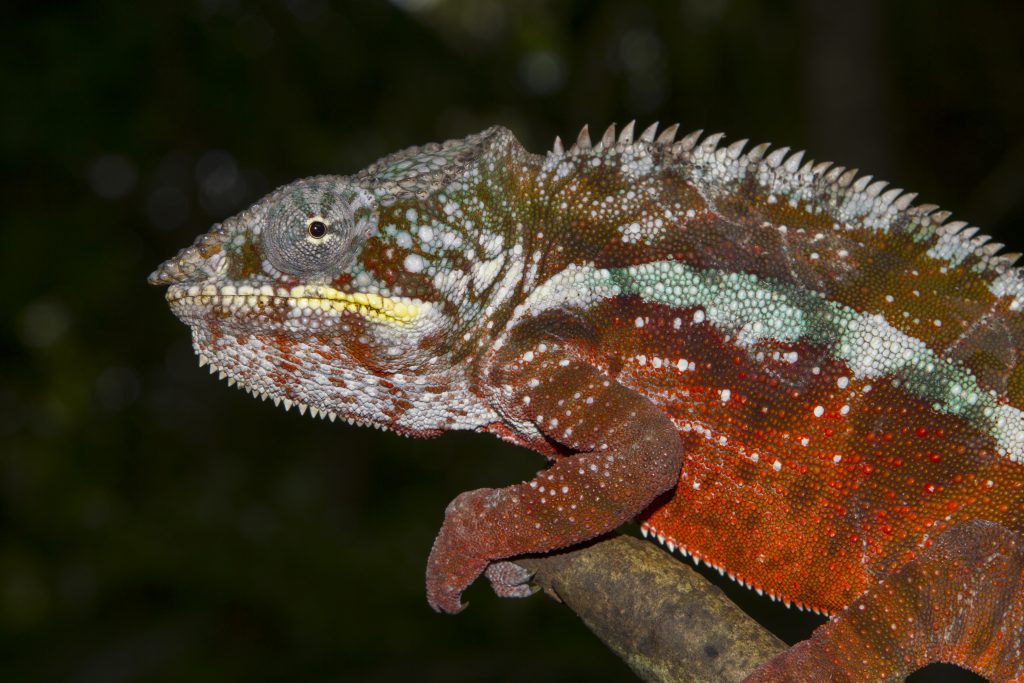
(783,369)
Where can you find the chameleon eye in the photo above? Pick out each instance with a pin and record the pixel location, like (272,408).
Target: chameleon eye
(317,228)
(310,231)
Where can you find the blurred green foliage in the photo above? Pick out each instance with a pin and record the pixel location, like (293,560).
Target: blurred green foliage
(155,525)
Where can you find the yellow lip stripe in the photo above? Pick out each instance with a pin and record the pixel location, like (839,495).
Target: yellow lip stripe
(314,297)
(367,304)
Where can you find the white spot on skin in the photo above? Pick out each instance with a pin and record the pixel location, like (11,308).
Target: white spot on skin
(413,263)
(639,322)
(698,316)
(725,395)
(819,411)
(777,466)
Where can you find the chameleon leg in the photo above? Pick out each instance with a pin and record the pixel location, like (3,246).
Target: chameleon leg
(626,452)
(960,601)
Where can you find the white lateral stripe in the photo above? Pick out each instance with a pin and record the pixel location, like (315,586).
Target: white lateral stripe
(757,309)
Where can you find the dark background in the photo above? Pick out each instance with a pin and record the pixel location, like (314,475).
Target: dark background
(157,525)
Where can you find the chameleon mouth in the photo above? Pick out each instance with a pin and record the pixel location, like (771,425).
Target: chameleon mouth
(302,298)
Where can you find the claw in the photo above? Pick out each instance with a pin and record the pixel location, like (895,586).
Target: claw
(447,604)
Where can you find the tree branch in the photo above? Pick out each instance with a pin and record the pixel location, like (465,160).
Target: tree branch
(665,620)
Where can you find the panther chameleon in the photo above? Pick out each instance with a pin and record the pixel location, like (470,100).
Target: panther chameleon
(777,366)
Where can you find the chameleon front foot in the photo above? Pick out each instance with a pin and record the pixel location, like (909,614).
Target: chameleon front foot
(454,561)
(448,576)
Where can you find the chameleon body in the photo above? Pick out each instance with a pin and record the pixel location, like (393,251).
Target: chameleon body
(783,369)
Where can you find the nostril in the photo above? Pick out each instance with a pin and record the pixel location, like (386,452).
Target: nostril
(204,257)
(170,272)
(177,269)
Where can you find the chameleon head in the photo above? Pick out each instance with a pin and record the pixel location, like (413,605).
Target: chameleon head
(294,300)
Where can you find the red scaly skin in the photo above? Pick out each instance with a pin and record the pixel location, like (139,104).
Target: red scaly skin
(958,602)
(788,372)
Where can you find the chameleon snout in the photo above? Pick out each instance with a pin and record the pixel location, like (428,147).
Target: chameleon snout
(203,259)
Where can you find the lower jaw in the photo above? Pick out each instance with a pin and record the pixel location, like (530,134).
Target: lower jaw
(273,395)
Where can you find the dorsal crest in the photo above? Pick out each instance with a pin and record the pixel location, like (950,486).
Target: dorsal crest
(790,175)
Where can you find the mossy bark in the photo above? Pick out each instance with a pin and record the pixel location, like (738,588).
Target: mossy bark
(666,621)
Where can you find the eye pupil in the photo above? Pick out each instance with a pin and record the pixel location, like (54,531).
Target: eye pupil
(317,229)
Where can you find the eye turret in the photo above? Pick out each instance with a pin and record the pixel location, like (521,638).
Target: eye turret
(310,232)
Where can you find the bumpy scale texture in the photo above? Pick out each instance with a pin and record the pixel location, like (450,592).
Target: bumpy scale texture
(785,370)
